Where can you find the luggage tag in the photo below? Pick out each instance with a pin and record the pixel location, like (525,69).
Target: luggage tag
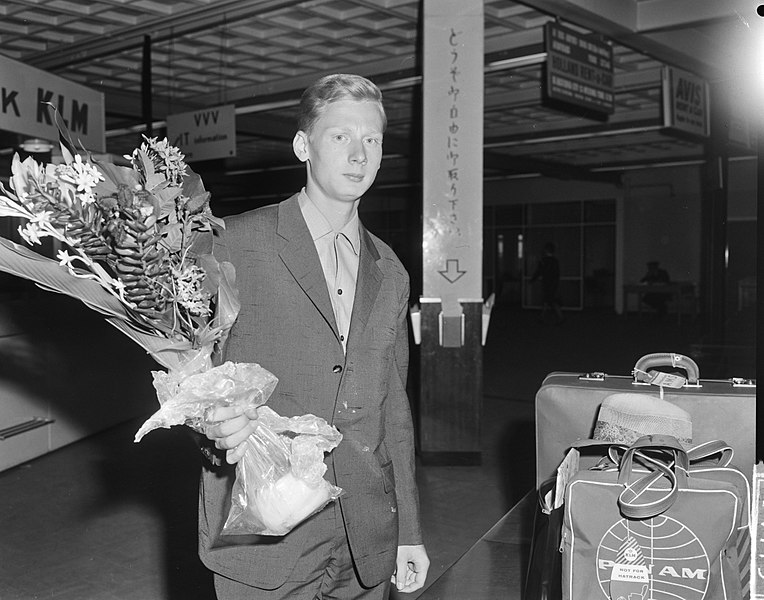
(665,380)
(630,579)
(668,380)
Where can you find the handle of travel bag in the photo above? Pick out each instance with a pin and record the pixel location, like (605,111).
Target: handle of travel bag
(543,579)
(652,451)
(707,450)
(666,359)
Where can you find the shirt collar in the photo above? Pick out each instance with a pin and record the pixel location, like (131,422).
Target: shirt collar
(319,225)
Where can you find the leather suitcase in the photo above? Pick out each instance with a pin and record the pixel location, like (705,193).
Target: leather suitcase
(567,406)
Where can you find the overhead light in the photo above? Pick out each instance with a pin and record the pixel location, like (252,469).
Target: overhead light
(516,62)
(36,146)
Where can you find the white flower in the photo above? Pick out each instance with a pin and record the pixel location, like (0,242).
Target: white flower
(190,294)
(26,176)
(83,176)
(146,211)
(42,217)
(167,159)
(119,287)
(65,259)
(31,233)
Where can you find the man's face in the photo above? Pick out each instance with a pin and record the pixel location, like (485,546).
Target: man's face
(343,150)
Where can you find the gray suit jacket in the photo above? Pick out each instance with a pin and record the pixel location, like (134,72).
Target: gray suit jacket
(287,325)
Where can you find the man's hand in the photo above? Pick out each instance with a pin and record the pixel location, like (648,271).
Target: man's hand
(410,568)
(229,427)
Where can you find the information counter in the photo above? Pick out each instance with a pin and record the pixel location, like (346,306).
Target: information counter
(680,296)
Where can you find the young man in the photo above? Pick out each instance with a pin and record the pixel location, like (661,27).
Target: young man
(324,307)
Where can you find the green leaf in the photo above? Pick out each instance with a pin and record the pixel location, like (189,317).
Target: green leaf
(228,296)
(48,274)
(199,241)
(221,279)
(117,175)
(166,198)
(192,185)
(173,236)
(198,203)
(193,189)
(68,156)
(10,205)
(155,181)
(171,354)
(216,222)
(64,136)
(146,163)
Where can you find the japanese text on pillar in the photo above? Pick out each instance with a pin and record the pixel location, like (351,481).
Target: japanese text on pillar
(452,152)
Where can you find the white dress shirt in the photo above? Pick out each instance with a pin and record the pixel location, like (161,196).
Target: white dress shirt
(338,253)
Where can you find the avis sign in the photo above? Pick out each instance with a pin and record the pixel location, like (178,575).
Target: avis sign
(26,94)
(685,102)
(204,134)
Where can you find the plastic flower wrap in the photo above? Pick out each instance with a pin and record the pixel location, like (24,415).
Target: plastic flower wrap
(136,245)
(284,473)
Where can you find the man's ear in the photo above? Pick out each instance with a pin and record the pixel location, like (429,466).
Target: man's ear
(300,145)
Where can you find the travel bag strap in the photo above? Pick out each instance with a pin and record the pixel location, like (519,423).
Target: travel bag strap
(663,456)
(708,450)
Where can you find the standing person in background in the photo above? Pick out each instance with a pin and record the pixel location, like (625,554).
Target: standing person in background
(656,276)
(548,271)
(324,308)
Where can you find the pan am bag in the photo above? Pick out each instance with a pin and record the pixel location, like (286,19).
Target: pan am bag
(650,529)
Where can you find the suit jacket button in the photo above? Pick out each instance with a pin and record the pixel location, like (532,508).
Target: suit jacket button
(337,369)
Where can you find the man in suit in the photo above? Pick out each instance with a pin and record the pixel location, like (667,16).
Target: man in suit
(324,308)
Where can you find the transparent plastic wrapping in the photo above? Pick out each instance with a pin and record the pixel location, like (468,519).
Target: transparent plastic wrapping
(185,398)
(280,480)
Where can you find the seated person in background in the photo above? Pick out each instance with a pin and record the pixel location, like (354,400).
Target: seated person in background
(656,276)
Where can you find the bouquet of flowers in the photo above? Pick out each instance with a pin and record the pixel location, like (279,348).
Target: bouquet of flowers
(137,246)
(135,243)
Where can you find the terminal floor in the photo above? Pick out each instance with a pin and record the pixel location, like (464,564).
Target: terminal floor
(106,519)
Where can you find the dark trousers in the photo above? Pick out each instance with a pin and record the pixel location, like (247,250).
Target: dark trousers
(324,572)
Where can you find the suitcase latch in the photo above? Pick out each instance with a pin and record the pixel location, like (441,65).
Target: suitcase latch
(742,382)
(593,376)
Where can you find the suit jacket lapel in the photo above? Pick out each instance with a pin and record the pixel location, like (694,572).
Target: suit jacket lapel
(367,285)
(300,257)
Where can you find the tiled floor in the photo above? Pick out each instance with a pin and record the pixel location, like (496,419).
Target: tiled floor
(106,519)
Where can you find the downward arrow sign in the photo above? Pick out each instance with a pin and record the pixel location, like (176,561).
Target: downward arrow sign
(452,272)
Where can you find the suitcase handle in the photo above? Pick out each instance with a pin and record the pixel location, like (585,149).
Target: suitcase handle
(666,359)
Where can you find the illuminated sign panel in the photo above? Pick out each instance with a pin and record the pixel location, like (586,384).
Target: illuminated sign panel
(686,102)
(579,69)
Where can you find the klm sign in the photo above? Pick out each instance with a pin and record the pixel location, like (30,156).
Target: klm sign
(28,97)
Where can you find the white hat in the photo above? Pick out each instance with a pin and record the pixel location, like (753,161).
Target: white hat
(625,417)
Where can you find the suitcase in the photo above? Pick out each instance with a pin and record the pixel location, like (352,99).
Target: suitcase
(567,404)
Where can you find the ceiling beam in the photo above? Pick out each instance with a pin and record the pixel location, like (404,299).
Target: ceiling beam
(378,71)
(514,165)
